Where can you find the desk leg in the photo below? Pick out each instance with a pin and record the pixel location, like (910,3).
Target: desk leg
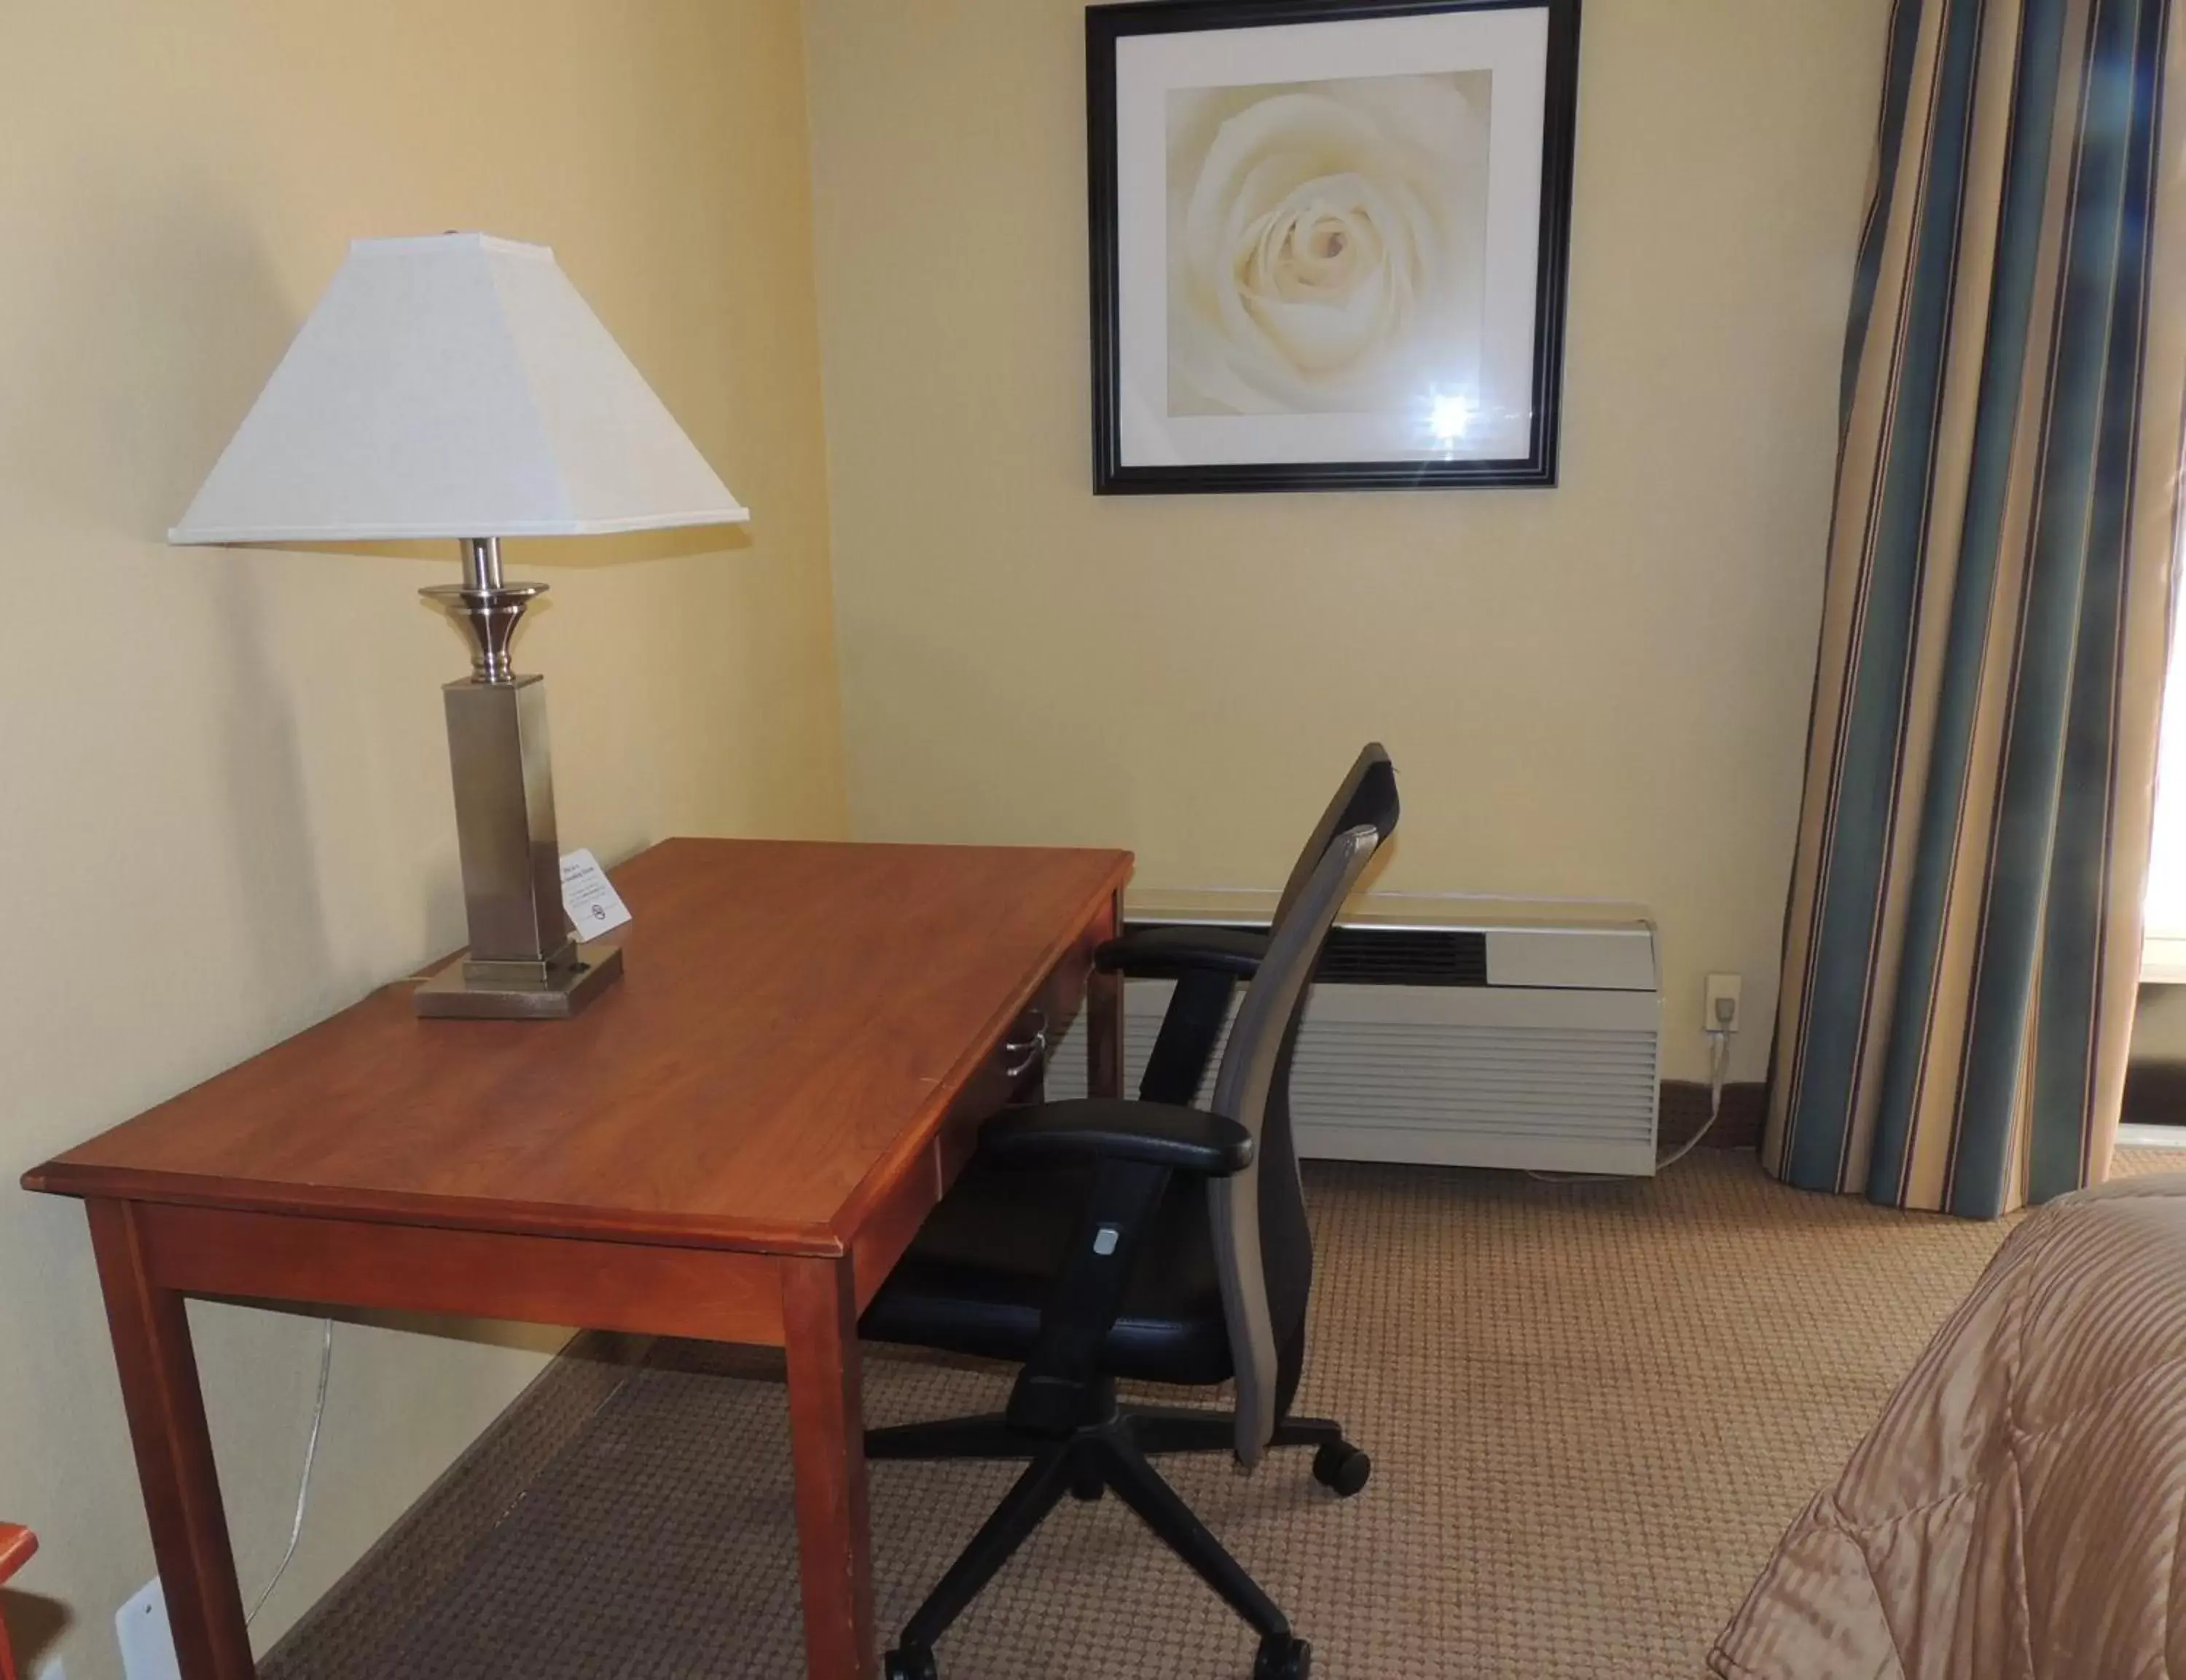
(826,1423)
(1104,1017)
(174,1454)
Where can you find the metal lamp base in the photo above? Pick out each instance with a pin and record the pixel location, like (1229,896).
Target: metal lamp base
(559,993)
(522,965)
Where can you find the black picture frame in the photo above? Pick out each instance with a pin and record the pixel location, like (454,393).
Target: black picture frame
(1106,25)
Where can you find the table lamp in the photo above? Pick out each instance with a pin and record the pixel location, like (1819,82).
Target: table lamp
(458,387)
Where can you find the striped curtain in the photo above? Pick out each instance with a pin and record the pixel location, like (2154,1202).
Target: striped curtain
(1962,944)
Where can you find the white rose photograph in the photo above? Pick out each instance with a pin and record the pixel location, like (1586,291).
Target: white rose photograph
(1330,240)
(1326,246)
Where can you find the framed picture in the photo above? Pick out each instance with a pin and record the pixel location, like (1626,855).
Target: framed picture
(1329,241)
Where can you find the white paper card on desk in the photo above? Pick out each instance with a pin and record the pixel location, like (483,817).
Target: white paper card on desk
(588,897)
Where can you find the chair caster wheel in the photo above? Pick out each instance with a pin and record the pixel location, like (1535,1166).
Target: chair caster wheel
(1283,1658)
(1087,1485)
(909,1662)
(1342,1468)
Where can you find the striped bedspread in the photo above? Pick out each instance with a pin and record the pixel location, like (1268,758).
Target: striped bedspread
(2020,1509)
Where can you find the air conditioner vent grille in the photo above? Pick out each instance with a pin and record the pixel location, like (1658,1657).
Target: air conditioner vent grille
(1563,1080)
(1401,956)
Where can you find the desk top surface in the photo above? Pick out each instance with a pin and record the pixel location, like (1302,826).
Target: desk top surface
(794,1020)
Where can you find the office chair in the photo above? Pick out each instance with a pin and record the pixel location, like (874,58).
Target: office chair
(1146,1240)
(1207,962)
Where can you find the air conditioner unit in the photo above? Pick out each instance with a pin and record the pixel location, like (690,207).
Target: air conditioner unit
(1448,1031)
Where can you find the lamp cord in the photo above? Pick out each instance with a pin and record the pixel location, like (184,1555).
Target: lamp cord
(304,1483)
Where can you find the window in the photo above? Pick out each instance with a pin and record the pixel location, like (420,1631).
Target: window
(2163,948)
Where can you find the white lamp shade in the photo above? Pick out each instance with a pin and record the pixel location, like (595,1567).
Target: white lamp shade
(455,386)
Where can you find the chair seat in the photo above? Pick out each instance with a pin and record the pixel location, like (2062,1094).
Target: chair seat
(976,1277)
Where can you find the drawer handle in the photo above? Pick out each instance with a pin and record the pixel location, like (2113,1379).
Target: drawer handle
(1032,1049)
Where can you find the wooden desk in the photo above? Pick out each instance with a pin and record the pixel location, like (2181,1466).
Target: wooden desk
(17,1544)
(735,1143)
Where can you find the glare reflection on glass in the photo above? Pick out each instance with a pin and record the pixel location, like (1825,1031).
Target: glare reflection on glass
(1451,416)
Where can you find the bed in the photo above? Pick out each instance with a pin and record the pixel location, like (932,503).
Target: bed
(2017,1511)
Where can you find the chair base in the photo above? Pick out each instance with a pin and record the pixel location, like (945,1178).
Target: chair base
(1109,1455)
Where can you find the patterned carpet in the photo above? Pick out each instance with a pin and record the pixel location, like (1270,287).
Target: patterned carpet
(1592,1409)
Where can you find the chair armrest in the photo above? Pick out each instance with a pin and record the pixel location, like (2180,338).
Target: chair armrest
(1153,1134)
(1165,953)
(16,1545)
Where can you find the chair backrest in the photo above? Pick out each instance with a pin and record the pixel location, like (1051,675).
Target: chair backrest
(1263,1285)
(1368,795)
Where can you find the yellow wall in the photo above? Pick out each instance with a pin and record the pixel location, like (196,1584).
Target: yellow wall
(1599,689)
(223,783)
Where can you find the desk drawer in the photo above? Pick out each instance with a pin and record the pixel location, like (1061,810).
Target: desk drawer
(1014,1070)
(1011,1071)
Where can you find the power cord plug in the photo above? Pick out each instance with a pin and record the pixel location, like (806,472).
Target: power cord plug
(1719,1068)
(1718,1033)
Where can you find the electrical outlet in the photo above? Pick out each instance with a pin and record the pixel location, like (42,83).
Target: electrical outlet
(1722,995)
(147,1644)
